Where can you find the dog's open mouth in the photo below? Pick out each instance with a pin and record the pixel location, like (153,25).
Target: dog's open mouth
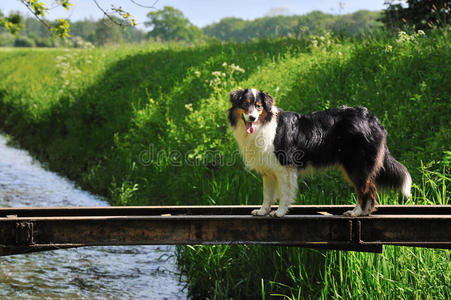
(250,127)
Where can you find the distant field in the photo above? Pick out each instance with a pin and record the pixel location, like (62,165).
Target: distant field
(147,126)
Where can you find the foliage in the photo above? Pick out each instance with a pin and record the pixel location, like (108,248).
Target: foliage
(107,33)
(169,24)
(7,39)
(147,126)
(314,23)
(83,33)
(23,41)
(422,14)
(12,23)
(127,18)
(60,27)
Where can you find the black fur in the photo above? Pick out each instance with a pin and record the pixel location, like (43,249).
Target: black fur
(340,135)
(351,137)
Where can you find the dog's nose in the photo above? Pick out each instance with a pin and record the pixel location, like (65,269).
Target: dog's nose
(251,118)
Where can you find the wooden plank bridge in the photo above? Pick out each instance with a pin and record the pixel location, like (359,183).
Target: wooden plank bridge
(24,229)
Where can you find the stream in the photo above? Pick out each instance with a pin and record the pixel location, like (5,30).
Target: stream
(119,272)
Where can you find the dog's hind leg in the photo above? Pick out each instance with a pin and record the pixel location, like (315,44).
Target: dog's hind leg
(362,165)
(287,189)
(269,195)
(365,187)
(366,195)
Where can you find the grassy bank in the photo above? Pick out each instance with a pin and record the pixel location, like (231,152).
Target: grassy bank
(148,126)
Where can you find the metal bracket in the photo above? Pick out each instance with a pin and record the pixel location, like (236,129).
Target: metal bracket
(357,238)
(357,244)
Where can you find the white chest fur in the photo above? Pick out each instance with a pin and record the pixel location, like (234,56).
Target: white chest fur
(257,148)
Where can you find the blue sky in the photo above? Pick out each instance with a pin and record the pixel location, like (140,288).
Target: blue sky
(203,12)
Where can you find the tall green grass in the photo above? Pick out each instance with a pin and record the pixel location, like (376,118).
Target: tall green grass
(148,126)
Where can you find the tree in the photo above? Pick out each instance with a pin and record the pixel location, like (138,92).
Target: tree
(107,33)
(169,24)
(358,23)
(23,41)
(227,29)
(13,23)
(7,39)
(422,14)
(313,23)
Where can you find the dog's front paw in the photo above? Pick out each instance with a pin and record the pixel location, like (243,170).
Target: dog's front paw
(349,213)
(356,212)
(260,212)
(278,213)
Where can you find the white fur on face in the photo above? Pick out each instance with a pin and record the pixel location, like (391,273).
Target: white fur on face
(254,113)
(254,92)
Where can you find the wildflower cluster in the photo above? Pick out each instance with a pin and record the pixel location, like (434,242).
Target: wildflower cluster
(78,42)
(323,42)
(224,79)
(68,67)
(404,37)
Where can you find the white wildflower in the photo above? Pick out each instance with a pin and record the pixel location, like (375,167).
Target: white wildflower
(237,68)
(404,37)
(189,107)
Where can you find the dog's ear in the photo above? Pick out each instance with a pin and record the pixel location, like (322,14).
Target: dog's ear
(268,101)
(235,96)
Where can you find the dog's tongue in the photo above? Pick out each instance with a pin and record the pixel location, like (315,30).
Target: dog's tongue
(249,127)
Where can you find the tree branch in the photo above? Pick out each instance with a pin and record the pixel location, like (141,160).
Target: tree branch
(144,6)
(27,5)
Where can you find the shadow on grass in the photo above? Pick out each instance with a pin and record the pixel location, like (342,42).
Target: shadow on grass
(77,135)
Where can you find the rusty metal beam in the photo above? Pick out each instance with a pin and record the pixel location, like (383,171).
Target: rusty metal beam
(213,210)
(25,230)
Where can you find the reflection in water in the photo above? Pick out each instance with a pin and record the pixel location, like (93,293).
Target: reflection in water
(125,272)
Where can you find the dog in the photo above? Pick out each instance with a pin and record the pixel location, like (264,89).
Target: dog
(281,145)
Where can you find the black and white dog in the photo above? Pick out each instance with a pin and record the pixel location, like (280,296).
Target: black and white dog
(282,145)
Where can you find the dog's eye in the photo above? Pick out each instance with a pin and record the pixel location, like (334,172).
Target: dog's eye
(258,105)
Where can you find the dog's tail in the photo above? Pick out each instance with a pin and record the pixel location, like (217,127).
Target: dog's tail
(394,175)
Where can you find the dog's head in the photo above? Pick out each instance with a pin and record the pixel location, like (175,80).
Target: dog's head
(252,107)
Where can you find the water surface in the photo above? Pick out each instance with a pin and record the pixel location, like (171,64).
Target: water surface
(119,272)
